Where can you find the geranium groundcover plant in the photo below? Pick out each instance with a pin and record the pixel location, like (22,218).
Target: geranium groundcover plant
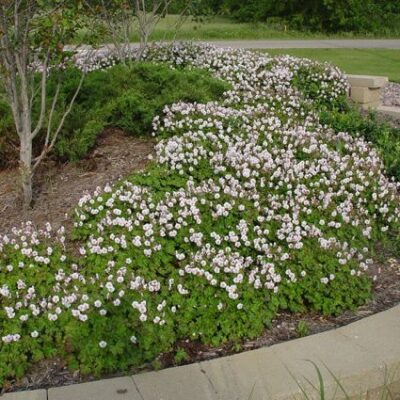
(250,206)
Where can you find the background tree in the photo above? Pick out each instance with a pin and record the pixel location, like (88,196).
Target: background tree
(365,16)
(32,38)
(123,18)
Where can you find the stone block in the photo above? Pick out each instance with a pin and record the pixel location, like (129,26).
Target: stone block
(370,81)
(365,95)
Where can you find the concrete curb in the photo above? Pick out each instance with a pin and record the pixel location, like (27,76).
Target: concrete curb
(363,356)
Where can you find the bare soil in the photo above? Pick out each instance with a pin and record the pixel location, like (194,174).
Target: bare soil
(58,189)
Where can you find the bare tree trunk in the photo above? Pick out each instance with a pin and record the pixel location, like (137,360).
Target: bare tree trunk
(144,35)
(25,141)
(26,169)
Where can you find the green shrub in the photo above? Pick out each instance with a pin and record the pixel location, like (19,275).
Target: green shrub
(8,136)
(128,97)
(125,97)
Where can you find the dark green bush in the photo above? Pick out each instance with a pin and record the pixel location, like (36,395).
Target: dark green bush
(125,97)
(8,137)
(128,97)
(362,16)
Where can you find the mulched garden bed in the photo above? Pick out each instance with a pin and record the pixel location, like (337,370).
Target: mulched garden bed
(58,189)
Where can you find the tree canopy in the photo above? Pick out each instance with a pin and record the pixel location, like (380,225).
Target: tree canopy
(322,15)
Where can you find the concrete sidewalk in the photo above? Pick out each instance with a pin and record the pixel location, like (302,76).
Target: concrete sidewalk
(361,355)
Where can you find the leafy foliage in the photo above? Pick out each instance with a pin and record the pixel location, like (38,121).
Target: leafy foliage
(370,16)
(302,329)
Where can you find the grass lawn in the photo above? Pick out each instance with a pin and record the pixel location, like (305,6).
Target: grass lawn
(222,28)
(353,61)
(225,28)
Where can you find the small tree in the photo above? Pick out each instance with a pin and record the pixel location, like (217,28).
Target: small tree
(32,37)
(148,14)
(124,17)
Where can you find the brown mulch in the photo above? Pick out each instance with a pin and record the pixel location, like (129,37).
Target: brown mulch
(58,189)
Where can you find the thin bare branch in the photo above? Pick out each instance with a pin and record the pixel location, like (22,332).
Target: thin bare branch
(42,98)
(49,147)
(50,121)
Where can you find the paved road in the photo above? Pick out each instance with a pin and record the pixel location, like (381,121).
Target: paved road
(311,44)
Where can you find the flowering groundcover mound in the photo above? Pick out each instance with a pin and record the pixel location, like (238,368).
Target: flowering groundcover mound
(251,206)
